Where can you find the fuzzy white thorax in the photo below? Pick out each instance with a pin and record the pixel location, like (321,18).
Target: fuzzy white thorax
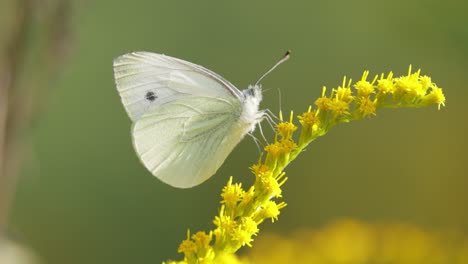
(251,115)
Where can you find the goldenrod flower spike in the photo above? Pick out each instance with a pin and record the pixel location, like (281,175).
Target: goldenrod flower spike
(243,210)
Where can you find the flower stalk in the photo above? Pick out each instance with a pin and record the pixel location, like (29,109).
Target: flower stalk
(243,210)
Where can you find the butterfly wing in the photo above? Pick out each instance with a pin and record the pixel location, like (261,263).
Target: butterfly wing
(145,79)
(184,142)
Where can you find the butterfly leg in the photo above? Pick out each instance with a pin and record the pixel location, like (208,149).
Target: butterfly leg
(261,132)
(270,114)
(266,116)
(257,142)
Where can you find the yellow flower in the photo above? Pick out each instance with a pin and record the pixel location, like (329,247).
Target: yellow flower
(202,239)
(339,107)
(309,119)
(232,193)
(344,92)
(385,85)
(260,170)
(363,87)
(288,145)
(248,200)
(225,225)
(310,123)
(267,186)
(323,103)
(409,89)
(367,107)
(273,150)
(188,247)
(435,96)
(286,129)
(270,210)
(247,229)
(426,82)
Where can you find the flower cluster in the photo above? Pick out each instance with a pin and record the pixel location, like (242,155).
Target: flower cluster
(243,210)
(344,104)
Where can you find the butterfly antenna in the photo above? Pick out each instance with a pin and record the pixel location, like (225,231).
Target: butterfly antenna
(283,59)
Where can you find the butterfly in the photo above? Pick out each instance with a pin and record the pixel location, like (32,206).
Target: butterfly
(186,118)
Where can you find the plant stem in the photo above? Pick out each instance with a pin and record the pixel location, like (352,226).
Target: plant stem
(13,57)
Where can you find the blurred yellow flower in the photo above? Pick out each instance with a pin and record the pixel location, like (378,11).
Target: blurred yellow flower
(350,241)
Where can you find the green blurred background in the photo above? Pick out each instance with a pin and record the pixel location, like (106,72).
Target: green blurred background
(83,196)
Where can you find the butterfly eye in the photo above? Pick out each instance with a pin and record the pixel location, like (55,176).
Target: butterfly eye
(150,96)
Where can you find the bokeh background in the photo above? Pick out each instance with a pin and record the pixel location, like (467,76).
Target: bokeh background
(83,196)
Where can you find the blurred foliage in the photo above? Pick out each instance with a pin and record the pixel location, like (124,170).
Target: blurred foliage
(83,197)
(32,38)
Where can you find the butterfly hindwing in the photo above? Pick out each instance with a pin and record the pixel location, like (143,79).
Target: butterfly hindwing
(184,142)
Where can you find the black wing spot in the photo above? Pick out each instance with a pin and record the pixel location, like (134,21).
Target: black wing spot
(150,96)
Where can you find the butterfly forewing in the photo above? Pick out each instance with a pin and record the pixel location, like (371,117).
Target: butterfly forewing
(144,79)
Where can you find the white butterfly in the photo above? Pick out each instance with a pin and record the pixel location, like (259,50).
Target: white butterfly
(187,119)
